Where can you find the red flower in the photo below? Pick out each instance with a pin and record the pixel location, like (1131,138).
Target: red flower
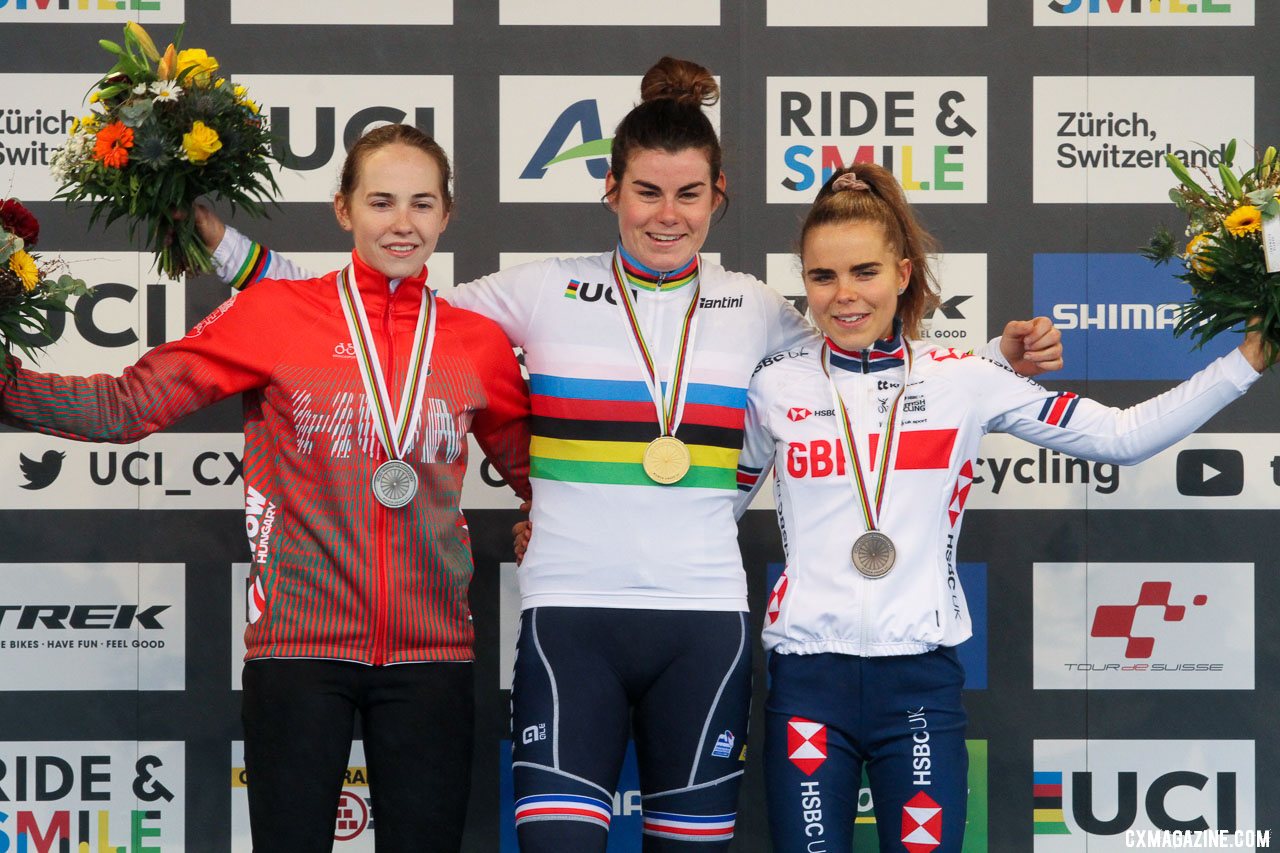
(16,219)
(112,144)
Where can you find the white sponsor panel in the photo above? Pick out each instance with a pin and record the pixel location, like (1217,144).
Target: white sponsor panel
(931,132)
(555,133)
(92,12)
(341,12)
(163,471)
(93,626)
(93,795)
(319,117)
(36,120)
(1153,626)
(354,826)
(239,619)
(1144,13)
(1111,788)
(132,308)
(604,13)
(900,13)
(1104,139)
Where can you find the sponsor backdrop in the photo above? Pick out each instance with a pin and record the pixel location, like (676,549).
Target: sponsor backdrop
(1124,674)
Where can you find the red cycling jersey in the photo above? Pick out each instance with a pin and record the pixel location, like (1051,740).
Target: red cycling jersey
(335,574)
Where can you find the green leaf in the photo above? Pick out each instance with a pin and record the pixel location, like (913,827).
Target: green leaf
(1229,181)
(1229,156)
(1180,172)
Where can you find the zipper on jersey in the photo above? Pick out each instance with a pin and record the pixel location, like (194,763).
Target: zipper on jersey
(380,622)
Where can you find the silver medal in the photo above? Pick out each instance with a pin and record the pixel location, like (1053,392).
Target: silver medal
(873,554)
(394,483)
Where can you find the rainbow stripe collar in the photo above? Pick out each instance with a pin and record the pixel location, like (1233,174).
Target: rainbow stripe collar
(643,278)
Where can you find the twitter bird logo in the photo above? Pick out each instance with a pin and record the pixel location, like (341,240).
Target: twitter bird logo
(40,474)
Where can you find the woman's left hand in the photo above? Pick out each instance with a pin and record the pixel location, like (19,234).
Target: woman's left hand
(1032,347)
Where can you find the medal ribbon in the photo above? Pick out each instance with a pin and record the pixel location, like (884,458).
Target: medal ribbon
(888,442)
(394,436)
(669,407)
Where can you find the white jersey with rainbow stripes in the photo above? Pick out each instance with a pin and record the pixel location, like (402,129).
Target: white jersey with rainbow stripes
(821,603)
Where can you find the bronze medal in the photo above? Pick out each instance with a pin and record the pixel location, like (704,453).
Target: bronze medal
(873,554)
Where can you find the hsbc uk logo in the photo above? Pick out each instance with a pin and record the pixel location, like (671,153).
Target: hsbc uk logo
(1116,620)
(806,744)
(921,824)
(798,413)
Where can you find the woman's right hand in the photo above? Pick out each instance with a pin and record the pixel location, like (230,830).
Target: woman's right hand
(521,532)
(209,225)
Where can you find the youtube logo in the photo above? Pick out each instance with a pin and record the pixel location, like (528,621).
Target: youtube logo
(1210,473)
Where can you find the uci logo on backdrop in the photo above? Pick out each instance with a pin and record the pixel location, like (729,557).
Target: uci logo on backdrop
(318,118)
(1090,793)
(900,13)
(931,132)
(1103,139)
(689,13)
(1144,13)
(130,310)
(556,133)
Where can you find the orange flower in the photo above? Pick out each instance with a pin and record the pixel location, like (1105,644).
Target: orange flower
(112,145)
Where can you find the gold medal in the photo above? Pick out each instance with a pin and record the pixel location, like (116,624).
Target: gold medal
(873,554)
(666,460)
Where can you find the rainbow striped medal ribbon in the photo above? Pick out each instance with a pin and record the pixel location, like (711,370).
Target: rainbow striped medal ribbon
(394,482)
(873,553)
(666,458)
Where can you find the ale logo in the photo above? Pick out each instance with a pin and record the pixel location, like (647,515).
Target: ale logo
(556,133)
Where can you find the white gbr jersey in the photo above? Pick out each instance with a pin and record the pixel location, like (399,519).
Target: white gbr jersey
(821,603)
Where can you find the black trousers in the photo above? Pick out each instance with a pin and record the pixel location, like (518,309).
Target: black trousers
(417,721)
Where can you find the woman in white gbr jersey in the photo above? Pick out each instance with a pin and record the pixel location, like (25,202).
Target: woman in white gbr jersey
(863,621)
(633,595)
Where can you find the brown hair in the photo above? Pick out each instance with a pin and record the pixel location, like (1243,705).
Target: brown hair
(876,196)
(392,134)
(670,117)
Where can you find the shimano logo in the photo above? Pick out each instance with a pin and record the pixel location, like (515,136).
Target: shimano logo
(1113,316)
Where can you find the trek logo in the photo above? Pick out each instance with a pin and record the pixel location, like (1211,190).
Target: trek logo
(1116,620)
(798,413)
(949,308)
(1209,472)
(60,617)
(41,473)
(806,744)
(921,824)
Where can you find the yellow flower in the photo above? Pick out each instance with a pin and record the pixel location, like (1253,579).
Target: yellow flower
(1245,219)
(167,67)
(95,97)
(1195,246)
(200,142)
(24,267)
(144,41)
(202,65)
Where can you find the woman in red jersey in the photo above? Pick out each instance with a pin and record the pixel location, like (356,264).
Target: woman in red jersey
(359,388)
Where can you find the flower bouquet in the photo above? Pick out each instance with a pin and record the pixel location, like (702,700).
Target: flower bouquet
(1232,259)
(164,131)
(28,288)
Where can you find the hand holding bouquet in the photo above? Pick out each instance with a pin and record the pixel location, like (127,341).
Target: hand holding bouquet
(1234,275)
(27,286)
(161,136)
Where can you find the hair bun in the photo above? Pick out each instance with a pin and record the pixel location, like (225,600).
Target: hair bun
(681,81)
